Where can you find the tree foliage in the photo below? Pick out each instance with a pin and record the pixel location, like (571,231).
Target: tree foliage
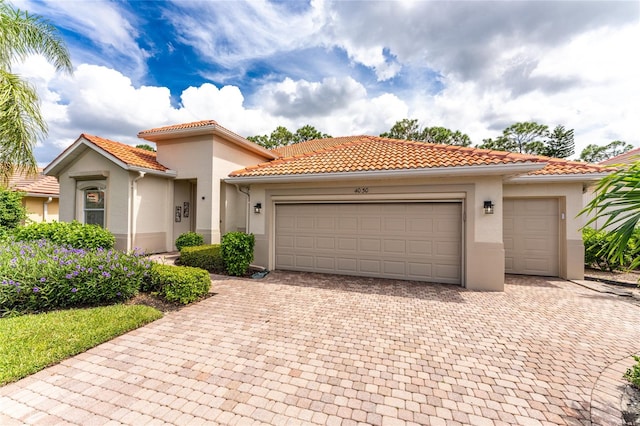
(12,212)
(146,147)
(596,153)
(281,136)
(21,123)
(617,201)
(409,129)
(529,137)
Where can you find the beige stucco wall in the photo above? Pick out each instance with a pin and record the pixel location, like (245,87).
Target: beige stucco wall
(208,160)
(89,167)
(39,210)
(570,202)
(483,263)
(483,249)
(151,213)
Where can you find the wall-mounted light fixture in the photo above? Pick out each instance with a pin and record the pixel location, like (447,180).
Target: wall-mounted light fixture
(257,208)
(488,207)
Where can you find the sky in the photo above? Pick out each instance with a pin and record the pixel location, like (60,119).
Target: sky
(344,67)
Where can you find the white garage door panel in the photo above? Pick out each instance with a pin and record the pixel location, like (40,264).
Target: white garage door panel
(531,236)
(416,241)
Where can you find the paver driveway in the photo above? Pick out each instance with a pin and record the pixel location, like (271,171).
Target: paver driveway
(304,348)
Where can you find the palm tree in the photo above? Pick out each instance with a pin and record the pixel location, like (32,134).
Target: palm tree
(21,124)
(617,200)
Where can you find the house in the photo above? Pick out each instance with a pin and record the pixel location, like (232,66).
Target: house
(358,205)
(41,194)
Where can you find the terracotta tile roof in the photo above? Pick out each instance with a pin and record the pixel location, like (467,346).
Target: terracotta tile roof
(626,158)
(183,126)
(128,154)
(312,145)
(369,153)
(38,184)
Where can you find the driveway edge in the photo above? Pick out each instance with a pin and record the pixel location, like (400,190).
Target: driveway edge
(606,398)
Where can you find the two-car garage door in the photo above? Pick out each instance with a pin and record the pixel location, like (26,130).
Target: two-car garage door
(412,241)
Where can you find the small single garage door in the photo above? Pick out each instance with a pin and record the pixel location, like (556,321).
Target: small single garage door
(531,236)
(411,241)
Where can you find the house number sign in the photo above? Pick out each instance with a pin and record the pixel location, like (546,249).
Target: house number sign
(361,190)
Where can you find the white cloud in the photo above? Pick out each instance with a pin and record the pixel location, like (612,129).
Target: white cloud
(111,28)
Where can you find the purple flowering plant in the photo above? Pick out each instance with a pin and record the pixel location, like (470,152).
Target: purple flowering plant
(44,276)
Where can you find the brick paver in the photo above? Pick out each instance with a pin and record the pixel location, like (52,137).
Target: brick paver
(298,348)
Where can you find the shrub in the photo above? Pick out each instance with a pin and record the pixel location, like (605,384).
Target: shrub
(73,234)
(12,212)
(595,248)
(237,252)
(40,276)
(207,257)
(633,374)
(181,284)
(189,239)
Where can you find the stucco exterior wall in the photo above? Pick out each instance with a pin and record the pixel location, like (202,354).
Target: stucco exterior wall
(38,210)
(208,160)
(91,166)
(570,198)
(152,214)
(483,252)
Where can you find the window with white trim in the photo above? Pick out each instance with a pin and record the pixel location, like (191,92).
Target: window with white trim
(94,206)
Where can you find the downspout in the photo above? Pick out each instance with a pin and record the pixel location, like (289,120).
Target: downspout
(132,207)
(45,210)
(248,210)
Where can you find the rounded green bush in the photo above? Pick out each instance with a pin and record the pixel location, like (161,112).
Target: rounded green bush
(189,239)
(181,284)
(237,252)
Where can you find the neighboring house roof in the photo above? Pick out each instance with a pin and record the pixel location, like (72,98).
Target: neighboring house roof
(371,153)
(625,158)
(203,127)
(35,185)
(126,156)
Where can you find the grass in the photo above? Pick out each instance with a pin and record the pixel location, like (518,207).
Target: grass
(30,343)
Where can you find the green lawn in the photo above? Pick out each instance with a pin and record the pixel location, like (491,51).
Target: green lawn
(30,343)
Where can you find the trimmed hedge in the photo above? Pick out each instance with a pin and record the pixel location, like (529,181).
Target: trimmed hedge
(182,284)
(189,239)
(237,252)
(72,234)
(207,257)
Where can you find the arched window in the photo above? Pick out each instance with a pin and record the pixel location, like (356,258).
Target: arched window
(94,206)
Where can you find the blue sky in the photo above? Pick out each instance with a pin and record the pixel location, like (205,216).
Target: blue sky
(345,67)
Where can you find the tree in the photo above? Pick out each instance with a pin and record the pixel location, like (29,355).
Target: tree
(146,147)
(21,123)
(527,137)
(12,212)
(281,136)
(560,143)
(409,129)
(596,153)
(405,129)
(617,200)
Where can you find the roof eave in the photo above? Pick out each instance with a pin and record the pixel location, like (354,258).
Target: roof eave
(205,130)
(574,177)
(480,170)
(41,195)
(54,168)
